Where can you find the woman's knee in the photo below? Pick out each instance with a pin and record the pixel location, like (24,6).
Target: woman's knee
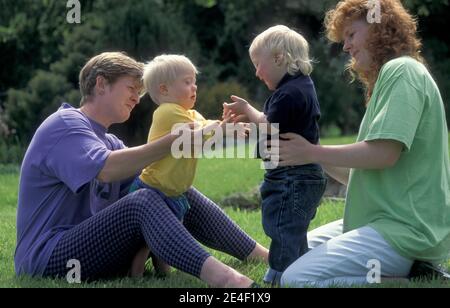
(197,199)
(297,275)
(144,201)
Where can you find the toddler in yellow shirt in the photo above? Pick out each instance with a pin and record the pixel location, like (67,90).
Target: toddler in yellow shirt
(170,81)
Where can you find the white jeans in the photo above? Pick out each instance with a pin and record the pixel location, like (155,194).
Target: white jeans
(353,258)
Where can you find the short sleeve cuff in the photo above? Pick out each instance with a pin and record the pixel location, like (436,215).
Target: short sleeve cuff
(387,136)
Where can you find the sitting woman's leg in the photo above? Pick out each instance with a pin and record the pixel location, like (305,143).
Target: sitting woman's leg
(324,233)
(106,243)
(212,227)
(347,259)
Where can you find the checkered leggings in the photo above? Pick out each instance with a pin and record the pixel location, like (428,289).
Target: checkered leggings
(106,243)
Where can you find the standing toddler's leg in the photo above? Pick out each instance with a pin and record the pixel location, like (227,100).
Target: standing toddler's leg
(274,194)
(289,205)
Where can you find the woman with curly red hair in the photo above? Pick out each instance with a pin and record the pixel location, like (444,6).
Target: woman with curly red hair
(397,174)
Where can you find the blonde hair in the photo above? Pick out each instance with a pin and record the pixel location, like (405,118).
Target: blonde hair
(396,34)
(291,45)
(109,65)
(165,69)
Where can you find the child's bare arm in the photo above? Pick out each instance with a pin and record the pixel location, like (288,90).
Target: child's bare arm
(240,109)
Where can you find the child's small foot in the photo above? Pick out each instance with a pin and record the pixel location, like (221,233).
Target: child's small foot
(162,269)
(138,265)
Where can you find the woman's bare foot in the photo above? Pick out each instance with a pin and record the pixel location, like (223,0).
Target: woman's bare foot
(237,280)
(260,253)
(218,275)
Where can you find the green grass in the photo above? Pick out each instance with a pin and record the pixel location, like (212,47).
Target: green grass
(216,179)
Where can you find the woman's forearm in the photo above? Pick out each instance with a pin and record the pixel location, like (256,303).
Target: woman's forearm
(339,174)
(125,163)
(378,154)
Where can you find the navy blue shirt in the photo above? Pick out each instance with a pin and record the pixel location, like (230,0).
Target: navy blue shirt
(295,107)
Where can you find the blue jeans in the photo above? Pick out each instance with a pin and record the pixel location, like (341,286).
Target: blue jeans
(178,205)
(290,197)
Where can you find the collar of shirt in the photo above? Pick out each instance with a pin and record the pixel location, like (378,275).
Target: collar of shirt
(288,78)
(99,129)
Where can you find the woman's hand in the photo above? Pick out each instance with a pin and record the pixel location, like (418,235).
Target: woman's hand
(293,150)
(227,118)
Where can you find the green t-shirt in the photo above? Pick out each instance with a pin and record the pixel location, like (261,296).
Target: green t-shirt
(408,204)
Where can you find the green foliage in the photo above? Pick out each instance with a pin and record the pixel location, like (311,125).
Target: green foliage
(29,37)
(4,130)
(146,29)
(342,103)
(38,46)
(427,7)
(206,3)
(436,56)
(11,153)
(26,109)
(78,45)
(210,99)
(142,29)
(238,31)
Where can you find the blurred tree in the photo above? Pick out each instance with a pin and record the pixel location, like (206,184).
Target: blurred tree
(210,99)
(426,7)
(21,48)
(145,29)
(141,29)
(41,54)
(27,108)
(433,17)
(341,102)
(4,130)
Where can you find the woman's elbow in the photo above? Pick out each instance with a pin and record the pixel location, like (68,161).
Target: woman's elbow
(391,161)
(389,152)
(104,177)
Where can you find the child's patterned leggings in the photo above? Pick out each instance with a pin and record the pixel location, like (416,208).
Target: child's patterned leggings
(106,243)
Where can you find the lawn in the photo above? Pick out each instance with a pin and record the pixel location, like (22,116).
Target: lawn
(216,179)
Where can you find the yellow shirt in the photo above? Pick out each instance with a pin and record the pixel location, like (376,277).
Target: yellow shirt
(170,175)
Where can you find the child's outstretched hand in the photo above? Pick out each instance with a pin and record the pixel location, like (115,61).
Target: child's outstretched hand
(243,129)
(227,117)
(237,109)
(229,127)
